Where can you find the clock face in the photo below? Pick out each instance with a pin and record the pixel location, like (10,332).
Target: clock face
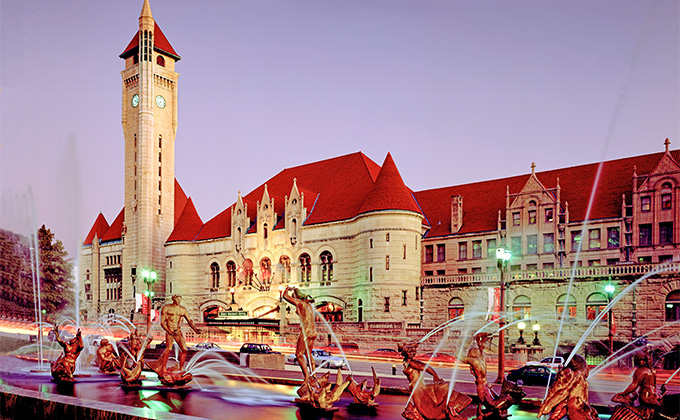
(135,100)
(160,101)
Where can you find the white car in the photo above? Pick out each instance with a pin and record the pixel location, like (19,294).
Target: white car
(552,362)
(322,359)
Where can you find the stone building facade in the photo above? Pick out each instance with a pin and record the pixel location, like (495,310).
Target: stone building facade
(380,259)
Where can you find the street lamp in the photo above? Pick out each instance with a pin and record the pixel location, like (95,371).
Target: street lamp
(521,326)
(282,315)
(502,257)
(232,291)
(536,328)
(609,290)
(280,293)
(149,277)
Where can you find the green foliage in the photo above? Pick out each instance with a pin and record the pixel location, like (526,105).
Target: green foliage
(55,273)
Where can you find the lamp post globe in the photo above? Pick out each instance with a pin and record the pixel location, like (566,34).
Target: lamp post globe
(502,257)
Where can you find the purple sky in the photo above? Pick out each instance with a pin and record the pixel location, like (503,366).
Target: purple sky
(457,91)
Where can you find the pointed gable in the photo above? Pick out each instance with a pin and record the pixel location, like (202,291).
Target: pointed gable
(115,231)
(99,227)
(180,201)
(532,188)
(160,44)
(188,226)
(389,191)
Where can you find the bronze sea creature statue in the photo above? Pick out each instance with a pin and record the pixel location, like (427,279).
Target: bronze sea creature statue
(107,360)
(641,388)
(568,395)
(490,404)
(362,393)
(429,401)
(62,369)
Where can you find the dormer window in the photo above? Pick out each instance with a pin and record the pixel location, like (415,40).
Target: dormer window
(532,217)
(160,60)
(666,201)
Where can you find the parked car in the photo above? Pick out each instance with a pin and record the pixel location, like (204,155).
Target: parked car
(551,362)
(533,375)
(207,346)
(322,359)
(385,353)
(436,357)
(346,348)
(257,348)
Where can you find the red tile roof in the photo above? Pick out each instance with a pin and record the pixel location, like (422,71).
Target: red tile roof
(161,44)
(99,227)
(115,231)
(389,191)
(483,200)
(334,189)
(180,201)
(189,224)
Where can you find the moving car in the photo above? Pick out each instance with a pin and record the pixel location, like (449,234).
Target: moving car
(436,357)
(532,375)
(322,359)
(385,353)
(345,347)
(257,348)
(551,362)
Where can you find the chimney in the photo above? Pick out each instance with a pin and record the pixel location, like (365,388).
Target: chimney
(456,213)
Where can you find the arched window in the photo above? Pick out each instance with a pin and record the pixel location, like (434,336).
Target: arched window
(265,231)
(666,196)
(266,270)
(673,306)
(360,311)
(571,306)
(326,266)
(215,274)
(284,261)
(532,212)
(160,60)
(456,308)
(595,303)
(231,273)
(293,230)
(521,307)
(305,268)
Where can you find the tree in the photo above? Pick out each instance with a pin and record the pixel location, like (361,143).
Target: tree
(55,273)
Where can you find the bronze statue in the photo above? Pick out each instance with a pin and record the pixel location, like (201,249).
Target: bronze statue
(62,369)
(362,393)
(171,317)
(106,357)
(495,404)
(429,401)
(305,342)
(131,373)
(568,395)
(320,393)
(642,388)
(135,342)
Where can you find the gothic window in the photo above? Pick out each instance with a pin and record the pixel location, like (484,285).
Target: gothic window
(666,233)
(594,239)
(326,266)
(284,261)
(673,306)
(645,204)
(613,237)
(549,215)
(548,243)
(231,273)
(441,252)
(429,253)
(645,235)
(521,307)
(456,308)
(215,275)
(532,244)
(570,303)
(248,271)
(595,304)
(160,60)
(305,268)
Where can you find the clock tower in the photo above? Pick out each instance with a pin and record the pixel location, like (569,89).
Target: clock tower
(149,126)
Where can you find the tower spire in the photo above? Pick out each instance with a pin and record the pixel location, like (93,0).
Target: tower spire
(146,10)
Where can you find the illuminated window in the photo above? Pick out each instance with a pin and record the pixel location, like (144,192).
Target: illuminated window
(595,304)
(570,303)
(456,308)
(613,237)
(476,249)
(532,217)
(645,204)
(521,308)
(666,202)
(594,239)
(673,306)
(305,268)
(515,218)
(549,215)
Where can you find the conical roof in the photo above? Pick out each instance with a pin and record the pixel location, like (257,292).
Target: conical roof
(389,191)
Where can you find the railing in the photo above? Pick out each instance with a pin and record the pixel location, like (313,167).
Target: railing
(556,273)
